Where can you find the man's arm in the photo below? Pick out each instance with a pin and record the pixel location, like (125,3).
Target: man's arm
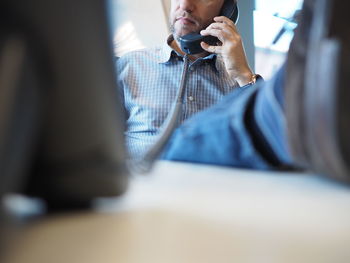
(231,49)
(246,129)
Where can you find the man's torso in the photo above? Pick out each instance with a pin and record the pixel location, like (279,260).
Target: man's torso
(149,80)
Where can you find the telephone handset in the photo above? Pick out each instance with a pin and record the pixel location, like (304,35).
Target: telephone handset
(190,43)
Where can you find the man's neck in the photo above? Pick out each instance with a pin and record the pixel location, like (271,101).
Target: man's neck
(176,46)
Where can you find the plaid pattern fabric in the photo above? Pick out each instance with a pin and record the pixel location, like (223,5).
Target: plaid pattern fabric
(148,81)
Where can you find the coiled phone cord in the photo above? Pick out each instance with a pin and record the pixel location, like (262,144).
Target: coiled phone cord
(145,164)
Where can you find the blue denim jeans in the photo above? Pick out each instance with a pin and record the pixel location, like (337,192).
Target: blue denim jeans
(246,129)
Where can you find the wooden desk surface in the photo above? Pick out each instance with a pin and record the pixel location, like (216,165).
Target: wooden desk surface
(195,213)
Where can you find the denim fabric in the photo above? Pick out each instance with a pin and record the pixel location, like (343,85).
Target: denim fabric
(222,135)
(270,117)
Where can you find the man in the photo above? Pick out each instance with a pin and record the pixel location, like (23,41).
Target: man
(149,79)
(300,118)
(253,133)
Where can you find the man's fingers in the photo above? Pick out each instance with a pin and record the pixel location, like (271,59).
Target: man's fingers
(214,32)
(222,35)
(224,19)
(219,26)
(226,22)
(211,49)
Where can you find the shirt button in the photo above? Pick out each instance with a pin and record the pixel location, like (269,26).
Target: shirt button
(190,98)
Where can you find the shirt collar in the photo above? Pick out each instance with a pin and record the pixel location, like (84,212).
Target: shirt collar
(166,53)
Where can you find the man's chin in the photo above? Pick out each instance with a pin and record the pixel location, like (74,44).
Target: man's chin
(183,33)
(180,31)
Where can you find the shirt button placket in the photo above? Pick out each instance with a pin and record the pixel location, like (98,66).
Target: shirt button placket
(189,98)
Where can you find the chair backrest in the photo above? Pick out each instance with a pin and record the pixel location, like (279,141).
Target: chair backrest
(66,133)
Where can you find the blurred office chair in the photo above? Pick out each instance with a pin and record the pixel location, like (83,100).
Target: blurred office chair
(317,89)
(61,126)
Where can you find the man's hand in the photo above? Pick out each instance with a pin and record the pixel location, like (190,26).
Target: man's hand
(231,49)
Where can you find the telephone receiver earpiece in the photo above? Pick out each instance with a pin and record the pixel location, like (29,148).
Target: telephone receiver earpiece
(190,43)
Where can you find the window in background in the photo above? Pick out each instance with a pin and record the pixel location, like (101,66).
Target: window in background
(271,18)
(138,24)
